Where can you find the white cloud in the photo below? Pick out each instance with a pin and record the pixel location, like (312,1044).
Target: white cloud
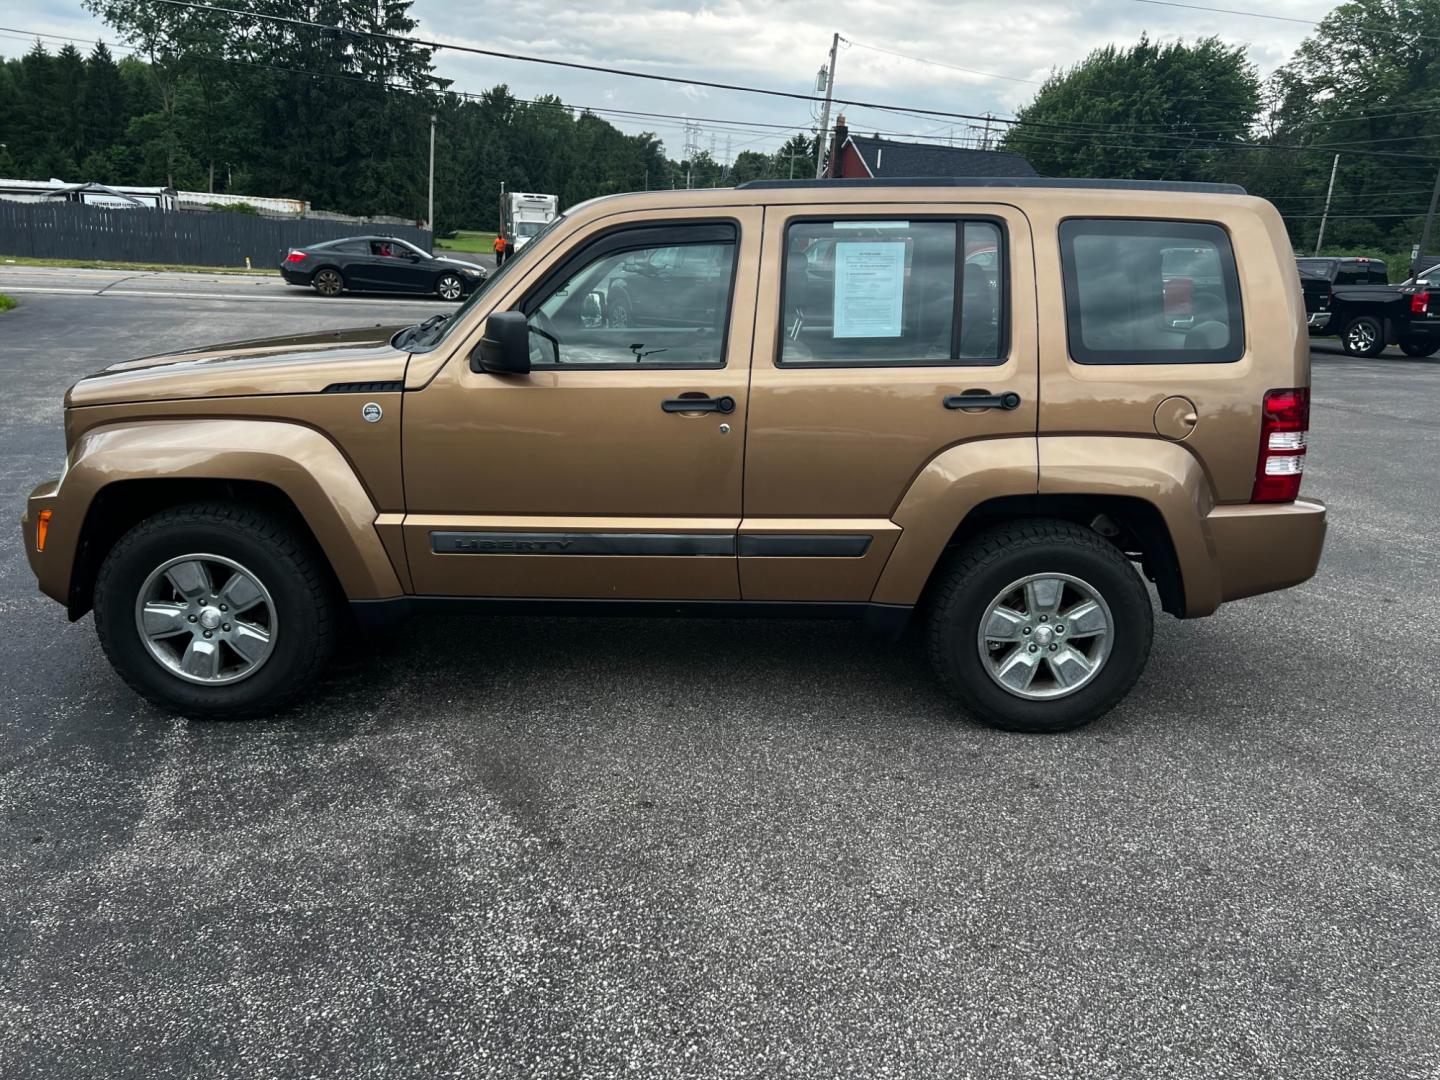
(780,44)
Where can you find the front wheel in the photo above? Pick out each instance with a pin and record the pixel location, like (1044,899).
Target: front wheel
(215,611)
(1040,626)
(328,282)
(1419,349)
(449,286)
(1363,336)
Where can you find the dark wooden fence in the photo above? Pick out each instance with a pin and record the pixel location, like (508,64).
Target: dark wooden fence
(189,238)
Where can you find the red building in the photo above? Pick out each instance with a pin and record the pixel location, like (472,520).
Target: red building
(865,156)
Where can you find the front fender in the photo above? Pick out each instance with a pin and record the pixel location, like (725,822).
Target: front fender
(299,461)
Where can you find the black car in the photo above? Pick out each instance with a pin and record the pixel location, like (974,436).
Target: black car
(379,264)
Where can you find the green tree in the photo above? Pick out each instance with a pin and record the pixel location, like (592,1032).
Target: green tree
(1358,86)
(1170,111)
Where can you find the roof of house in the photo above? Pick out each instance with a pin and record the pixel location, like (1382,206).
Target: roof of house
(886,158)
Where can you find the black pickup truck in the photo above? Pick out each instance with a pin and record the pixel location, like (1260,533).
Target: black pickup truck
(1352,298)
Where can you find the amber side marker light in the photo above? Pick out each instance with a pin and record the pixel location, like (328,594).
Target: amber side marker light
(42,528)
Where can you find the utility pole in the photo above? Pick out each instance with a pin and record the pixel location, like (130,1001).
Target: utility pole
(1426,233)
(430,212)
(825,109)
(1325,214)
(986,144)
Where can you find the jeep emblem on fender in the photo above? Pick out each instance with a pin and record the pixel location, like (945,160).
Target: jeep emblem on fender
(372,412)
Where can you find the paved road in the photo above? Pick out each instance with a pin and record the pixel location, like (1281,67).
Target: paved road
(531,848)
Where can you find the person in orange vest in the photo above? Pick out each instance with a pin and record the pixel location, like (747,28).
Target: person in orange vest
(501,250)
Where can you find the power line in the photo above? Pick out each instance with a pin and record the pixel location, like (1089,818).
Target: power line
(789,95)
(1281,18)
(762,128)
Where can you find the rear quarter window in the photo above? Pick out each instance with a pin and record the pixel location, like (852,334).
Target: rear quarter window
(1150,292)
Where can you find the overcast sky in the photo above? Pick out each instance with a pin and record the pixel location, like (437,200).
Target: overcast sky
(780,44)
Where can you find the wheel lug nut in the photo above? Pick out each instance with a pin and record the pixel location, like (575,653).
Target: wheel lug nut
(1044,618)
(224,608)
(226,628)
(208,634)
(1054,647)
(191,618)
(1059,628)
(1034,648)
(1025,631)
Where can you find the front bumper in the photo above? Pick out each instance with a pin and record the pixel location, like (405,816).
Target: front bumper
(51,567)
(1261,547)
(1318,320)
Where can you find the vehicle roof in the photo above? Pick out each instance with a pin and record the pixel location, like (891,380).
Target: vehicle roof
(920,190)
(366,236)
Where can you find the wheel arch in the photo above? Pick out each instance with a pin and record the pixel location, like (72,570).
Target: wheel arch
(1148,496)
(290,469)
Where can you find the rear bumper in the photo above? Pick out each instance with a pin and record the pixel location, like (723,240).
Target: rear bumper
(1423,330)
(295,277)
(1260,548)
(1318,320)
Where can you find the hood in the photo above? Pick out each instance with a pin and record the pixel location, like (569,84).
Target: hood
(461,262)
(300,364)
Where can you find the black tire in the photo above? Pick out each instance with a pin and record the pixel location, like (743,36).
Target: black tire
(977,574)
(1363,336)
(617,311)
(449,287)
(1419,349)
(328,282)
(279,556)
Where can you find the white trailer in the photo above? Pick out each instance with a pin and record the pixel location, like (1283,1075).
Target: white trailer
(523,214)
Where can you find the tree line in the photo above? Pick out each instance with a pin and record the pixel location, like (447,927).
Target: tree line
(1365,85)
(339,118)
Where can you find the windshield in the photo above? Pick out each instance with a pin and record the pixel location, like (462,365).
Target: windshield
(436,332)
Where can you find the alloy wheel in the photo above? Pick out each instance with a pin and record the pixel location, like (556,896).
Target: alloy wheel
(1045,636)
(328,283)
(206,619)
(1360,337)
(449,287)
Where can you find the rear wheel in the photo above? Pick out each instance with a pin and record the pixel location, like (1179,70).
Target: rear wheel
(215,611)
(1363,336)
(449,286)
(1420,348)
(1040,626)
(328,282)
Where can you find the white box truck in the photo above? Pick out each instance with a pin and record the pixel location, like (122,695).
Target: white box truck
(523,214)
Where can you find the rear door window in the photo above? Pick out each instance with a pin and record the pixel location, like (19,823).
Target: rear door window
(883,292)
(1150,292)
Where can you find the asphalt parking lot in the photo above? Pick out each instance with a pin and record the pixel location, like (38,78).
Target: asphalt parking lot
(602,848)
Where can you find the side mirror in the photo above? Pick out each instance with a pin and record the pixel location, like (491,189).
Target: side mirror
(504,347)
(592,310)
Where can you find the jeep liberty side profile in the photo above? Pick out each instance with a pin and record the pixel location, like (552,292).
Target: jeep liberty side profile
(997,406)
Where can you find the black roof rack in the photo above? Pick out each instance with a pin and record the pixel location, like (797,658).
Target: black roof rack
(998,182)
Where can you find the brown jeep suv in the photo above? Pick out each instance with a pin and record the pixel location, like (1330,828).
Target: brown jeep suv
(998,406)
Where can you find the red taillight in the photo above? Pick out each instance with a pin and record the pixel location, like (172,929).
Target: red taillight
(1419,301)
(295,256)
(1284,422)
